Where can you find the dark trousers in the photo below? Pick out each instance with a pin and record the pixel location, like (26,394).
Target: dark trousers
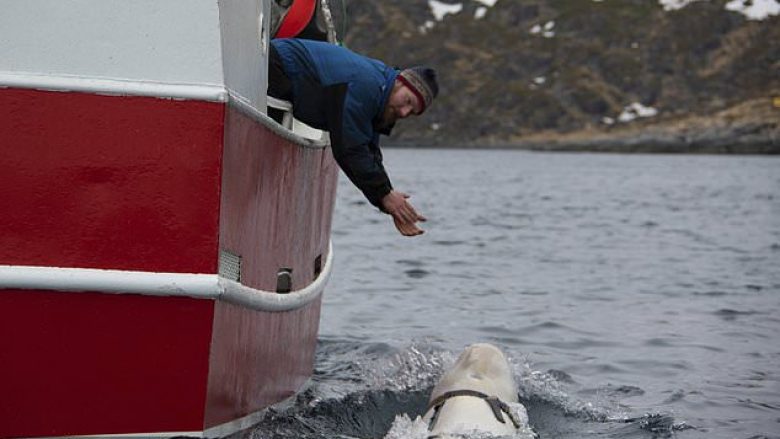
(279,85)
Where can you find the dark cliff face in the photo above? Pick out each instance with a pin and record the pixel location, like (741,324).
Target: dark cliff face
(562,66)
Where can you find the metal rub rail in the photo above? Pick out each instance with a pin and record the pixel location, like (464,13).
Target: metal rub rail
(200,286)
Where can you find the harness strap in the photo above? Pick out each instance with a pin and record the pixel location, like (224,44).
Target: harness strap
(496,405)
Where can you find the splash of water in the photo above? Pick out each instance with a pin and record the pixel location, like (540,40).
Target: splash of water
(417,367)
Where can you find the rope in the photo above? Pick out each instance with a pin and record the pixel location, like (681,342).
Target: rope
(332,38)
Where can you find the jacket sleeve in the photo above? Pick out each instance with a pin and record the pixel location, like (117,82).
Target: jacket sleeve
(355,146)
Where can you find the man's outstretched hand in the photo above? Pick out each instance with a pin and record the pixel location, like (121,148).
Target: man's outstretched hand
(404,215)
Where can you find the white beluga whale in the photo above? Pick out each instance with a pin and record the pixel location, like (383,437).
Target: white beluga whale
(477,397)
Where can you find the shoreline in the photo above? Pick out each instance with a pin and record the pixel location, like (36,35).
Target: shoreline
(724,146)
(599,150)
(752,127)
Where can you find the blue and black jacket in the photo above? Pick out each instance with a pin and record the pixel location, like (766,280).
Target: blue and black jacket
(337,90)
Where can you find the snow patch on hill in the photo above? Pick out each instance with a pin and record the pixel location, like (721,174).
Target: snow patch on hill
(752,9)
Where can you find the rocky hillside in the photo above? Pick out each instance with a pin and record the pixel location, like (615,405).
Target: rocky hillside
(583,74)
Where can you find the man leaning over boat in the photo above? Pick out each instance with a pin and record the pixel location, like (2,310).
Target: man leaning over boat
(355,99)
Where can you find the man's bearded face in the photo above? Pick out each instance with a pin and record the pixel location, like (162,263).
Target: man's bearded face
(401,104)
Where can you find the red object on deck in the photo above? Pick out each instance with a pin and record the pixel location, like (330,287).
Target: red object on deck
(298,16)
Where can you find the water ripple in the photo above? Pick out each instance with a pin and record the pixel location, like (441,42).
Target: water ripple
(732,314)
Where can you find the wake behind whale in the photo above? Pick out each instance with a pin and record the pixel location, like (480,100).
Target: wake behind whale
(378,391)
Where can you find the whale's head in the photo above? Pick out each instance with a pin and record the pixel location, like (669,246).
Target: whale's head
(481,367)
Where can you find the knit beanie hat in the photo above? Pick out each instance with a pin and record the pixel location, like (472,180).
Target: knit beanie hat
(422,82)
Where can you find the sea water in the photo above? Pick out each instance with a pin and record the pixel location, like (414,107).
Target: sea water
(637,296)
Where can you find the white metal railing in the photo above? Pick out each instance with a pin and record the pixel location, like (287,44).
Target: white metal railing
(200,286)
